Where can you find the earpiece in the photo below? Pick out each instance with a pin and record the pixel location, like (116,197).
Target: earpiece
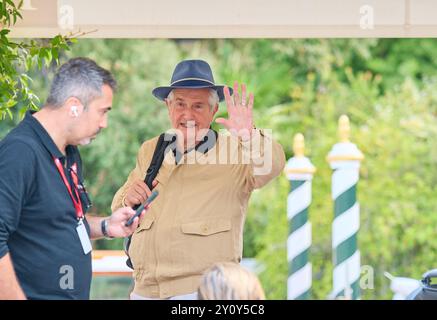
(74,111)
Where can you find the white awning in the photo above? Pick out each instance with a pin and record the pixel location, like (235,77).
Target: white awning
(229,18)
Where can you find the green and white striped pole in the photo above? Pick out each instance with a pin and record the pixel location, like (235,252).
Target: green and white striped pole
(344,159)
(300,172)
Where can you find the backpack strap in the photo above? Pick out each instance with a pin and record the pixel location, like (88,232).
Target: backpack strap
(164,141)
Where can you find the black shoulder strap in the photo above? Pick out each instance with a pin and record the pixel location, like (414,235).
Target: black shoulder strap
(155,163)
(164,141)
(157,159)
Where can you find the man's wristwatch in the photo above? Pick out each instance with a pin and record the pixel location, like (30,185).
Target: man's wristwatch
(104,226)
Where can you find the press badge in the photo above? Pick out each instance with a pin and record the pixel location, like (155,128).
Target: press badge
(84,238)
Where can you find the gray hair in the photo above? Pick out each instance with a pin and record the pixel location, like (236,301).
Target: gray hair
(81,78)
(213,99)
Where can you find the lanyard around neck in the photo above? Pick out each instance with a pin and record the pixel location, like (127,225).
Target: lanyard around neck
(76,201)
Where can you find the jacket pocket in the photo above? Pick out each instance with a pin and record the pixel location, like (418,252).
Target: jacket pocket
(145,224)
(138,246)
(206,227)
(203,243)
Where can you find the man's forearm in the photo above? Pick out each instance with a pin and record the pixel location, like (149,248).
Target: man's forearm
(95,226)
(9,287)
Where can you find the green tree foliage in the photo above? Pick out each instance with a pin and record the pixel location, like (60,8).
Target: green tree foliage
(386,87)
(395,128)
(18,58)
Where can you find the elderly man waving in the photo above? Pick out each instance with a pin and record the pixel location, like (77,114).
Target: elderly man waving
(204,185)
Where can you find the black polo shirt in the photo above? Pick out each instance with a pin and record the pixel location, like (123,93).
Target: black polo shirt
(37,216)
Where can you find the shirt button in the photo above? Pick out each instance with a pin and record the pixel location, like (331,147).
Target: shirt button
(205,228)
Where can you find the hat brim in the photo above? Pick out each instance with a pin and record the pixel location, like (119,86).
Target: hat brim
(162,92)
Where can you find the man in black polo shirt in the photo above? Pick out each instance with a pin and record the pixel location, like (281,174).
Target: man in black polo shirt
(44,235)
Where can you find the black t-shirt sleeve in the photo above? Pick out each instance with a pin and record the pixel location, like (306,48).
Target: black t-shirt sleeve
(17,163)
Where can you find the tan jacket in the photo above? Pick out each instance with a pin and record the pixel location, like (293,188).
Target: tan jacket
(198,217)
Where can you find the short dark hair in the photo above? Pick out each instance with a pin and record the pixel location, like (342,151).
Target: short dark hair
(81,78)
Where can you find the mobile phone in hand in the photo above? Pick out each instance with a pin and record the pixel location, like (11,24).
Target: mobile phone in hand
(141,207)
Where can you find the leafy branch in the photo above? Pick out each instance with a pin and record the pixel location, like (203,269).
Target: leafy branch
(18,58)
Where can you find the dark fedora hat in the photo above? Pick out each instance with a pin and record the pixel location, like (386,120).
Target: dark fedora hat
(190,74)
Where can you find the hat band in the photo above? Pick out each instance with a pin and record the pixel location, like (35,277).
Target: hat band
(185,79)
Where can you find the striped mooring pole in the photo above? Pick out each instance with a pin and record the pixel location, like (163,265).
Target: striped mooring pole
(344,159)
(299,171)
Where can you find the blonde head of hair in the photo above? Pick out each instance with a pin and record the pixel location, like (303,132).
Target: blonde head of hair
(230,281)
